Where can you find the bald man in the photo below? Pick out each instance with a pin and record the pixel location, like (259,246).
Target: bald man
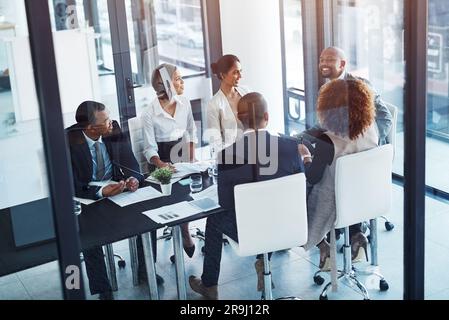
(237,166)
(332,66)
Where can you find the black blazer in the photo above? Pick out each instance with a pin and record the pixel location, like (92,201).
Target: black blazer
(120,154)
(234,168)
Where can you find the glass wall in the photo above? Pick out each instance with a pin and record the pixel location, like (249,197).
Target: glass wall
(437,143)
(375,52)
(294,61)
(27,248)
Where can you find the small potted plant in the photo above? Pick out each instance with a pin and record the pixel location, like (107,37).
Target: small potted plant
(163,175)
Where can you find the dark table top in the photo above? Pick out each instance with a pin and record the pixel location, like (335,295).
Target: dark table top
(100,223)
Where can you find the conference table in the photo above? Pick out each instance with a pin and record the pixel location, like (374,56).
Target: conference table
(103,223)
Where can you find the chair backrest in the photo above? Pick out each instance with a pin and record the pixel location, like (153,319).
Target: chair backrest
(136,136)
(391,138)
(363,185)
(271,215)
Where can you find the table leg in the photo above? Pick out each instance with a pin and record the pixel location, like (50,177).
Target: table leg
(150,266)
(179,263)
(110,266)
(134,260)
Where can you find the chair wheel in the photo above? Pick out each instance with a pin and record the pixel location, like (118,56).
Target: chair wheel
(172,259)
(383,285)
(319,280)
(389,226)
(121,264)
(323,298)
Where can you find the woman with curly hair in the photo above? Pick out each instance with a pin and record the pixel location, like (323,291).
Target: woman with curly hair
(346,113)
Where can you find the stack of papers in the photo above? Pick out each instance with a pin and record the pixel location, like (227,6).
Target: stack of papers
(128,198)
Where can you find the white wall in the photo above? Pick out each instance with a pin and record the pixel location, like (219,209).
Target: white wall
(251,30)
(14,12)
(76,66)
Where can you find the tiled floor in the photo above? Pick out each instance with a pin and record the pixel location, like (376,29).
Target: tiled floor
(292,269)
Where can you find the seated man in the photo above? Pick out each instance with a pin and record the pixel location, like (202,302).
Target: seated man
(100,152)
(238,165)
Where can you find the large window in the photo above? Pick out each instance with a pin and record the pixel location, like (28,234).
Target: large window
(437,142)
(179,32)
(438,95)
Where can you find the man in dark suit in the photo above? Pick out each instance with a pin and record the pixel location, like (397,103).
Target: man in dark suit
(100,152)
(238,164)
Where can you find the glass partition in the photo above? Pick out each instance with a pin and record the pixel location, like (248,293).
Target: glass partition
(28,269)
(371,34)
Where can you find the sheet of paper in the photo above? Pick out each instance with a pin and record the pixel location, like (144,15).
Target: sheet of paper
(207,199)
(205,204)
(184,169)
(168,214)
(211,192)
(101,184)
(85,201)
(128,198)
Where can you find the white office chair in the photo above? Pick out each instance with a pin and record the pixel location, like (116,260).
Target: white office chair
(391,139)
(136,135)
(362,192)
(271,215)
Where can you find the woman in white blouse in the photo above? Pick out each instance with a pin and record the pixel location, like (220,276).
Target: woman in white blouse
(170,131)
(222,119)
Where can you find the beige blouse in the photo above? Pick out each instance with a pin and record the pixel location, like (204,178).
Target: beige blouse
(221,120)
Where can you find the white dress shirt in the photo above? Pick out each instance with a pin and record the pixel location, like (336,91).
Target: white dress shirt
(159,126)
(221,120)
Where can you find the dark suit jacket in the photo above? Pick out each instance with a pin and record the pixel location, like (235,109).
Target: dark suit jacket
(237,167)
(120,154)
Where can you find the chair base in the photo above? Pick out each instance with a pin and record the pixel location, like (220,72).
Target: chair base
(350,278)
(349,273)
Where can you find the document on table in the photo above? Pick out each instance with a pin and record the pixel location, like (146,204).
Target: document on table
(211,192)
(85,201)
(206,200)
(168,214)
(102,184)
(128,198)
(185,169)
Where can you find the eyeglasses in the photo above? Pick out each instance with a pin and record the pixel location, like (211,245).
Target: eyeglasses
(328,60)
(105,122)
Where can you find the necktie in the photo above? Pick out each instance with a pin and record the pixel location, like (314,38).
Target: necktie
(100,162)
